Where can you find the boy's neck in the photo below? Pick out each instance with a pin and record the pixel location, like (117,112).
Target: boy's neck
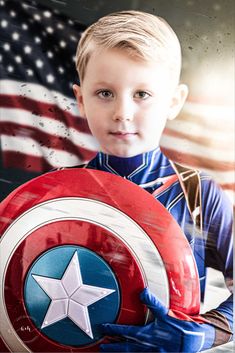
(124,166)
(132,157)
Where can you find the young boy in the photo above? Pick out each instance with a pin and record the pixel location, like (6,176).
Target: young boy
(129,67)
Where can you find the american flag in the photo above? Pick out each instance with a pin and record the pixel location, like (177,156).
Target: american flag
(40,126)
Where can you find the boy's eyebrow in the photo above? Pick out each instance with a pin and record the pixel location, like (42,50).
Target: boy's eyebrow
(102,83)
(143,85)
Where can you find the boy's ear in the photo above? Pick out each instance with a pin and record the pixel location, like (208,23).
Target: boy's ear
(78,94)
(177,102)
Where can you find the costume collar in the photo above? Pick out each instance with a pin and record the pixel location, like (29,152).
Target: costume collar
(127,167)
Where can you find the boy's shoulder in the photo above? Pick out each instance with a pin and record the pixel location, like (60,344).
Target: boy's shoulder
(213,194)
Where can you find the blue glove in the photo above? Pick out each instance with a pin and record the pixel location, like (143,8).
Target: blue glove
(165,334)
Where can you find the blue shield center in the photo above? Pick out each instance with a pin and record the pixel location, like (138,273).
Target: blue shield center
(69,293)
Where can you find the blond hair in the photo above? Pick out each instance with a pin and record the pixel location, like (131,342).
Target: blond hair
(144,36)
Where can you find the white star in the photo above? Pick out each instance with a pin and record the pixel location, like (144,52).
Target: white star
(50,54)
(60,26)
(39,63)
(62,43)
(37,17)
(12,14)
(47,13)
(10,68)
(18,59)
(73,38)
(49,29)
(4,23)
(25,6)
(6,46)
(27,49)
(15,36)
(70,297)
(50,78)
(24,26)
(61,69)
(29,72)
(37,40)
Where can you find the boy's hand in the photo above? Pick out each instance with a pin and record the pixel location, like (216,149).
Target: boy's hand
(166,333)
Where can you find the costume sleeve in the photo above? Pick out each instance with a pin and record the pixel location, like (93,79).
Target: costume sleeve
(217,222)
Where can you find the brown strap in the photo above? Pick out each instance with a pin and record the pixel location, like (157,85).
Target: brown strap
(223,333)
(191,185)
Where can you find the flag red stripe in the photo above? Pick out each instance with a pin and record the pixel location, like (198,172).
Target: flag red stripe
(210,100)
(18,160)
(228,186)
(45,110)
(199,162)
(45,139)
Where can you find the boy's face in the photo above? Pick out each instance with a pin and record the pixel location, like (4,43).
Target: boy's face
(127,102)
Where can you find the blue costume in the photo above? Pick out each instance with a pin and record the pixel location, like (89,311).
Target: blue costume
(212,247)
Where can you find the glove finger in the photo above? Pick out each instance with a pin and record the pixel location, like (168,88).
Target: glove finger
(120,330)
(158,309)
(124,347)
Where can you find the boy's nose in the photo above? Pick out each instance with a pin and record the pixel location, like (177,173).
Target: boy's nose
(123,112)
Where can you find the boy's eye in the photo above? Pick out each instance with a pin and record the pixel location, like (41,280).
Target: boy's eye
(142,95)
(104,94)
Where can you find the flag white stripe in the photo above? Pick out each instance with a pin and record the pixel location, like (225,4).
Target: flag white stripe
(49,126)
(189,147)
(223,138)
(40,94)
(55,158)
(222,113)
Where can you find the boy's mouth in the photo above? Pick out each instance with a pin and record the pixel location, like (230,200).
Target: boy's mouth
(123,133)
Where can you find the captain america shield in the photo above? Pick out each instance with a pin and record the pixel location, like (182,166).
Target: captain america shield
(77,248)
